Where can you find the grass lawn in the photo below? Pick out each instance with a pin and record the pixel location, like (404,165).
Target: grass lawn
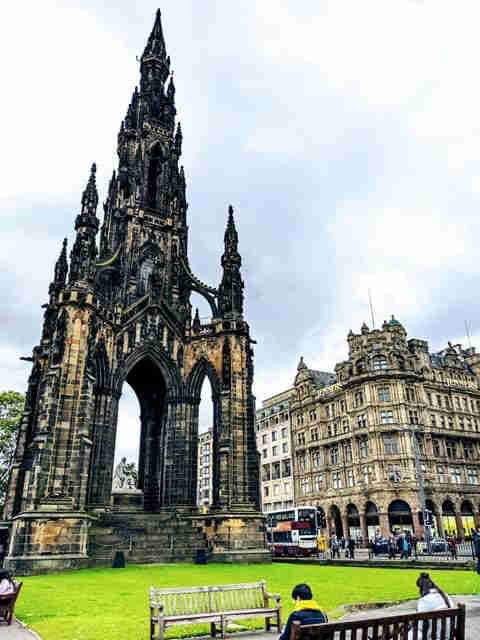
(112,604)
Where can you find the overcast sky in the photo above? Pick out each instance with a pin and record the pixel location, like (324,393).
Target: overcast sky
(346,135)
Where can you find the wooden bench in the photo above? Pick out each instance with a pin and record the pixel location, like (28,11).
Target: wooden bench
(445,624)
(214,604)
(7,604)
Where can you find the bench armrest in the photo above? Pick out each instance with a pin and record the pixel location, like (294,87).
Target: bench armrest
(273,596)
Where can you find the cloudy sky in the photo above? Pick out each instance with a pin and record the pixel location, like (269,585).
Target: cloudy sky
(346,134)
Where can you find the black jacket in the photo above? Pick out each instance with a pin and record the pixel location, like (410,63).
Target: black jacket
(476,543)
(304,616)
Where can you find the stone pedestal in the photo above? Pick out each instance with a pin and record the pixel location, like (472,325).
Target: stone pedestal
(127,500)
(46,541)
(235,537)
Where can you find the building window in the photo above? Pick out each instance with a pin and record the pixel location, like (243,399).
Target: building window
(350,478)
(275,450)
(343,406)
(334,455)
(286,469)
(433,420)
(363,448)
(345,425)
(429,398)
(386,417)
(318,482)
(301,463)
(472,475)
(347,451)
(265,491)
(274,436)
(336,480)
(390,443)
(276,471)
(413,416)
(456,475)
(457,402)
(384,394)
(410,394)
(468,450)
(461,422)
(451,449)
(284,447)
(314,434)
(301,438)
(436,448)
(379,363)
(316,461)
(276,489)
(284,432)
(442,477)
(264,439)
(304,486)
(358,399)
(450,422)
(394,472)
(265,472)
(362,420)
(264,453)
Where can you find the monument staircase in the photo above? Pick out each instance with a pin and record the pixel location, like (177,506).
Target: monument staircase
(144,538)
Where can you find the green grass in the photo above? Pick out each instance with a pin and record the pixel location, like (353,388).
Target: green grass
(112,604)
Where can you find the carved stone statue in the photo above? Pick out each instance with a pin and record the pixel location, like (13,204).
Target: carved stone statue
(124,476)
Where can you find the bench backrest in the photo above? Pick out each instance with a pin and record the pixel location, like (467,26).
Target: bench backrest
(208,599)
(7,600)
(443,624)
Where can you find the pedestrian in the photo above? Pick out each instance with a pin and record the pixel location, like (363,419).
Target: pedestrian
(306,610)
(431,599)
(405,547)
(334,547)
(391,548)
(452,547)
(351,548)
(476,546)
(415,546)
(2,553)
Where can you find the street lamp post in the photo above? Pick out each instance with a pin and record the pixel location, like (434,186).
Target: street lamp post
(421,492)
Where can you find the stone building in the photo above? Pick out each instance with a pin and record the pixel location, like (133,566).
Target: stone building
(119,311)
(205,458)
(275,450)
(354,447)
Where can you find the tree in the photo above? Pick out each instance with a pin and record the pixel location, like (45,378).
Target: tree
(11,408)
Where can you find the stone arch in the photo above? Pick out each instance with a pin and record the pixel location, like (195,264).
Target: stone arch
(449,520)
(336,521)
(353,521)
(157,354)
(467,515)
(202,369)
(400,515)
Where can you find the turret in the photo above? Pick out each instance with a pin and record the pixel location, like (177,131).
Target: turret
(230,293)
(84,251)
(61,270)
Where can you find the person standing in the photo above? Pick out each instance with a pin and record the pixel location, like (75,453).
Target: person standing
(334,547)
(476,546)
(351,548)
(391,548)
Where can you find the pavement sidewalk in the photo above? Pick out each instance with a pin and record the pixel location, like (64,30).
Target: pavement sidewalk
(16,631)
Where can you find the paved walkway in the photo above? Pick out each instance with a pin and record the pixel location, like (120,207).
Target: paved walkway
(16,631)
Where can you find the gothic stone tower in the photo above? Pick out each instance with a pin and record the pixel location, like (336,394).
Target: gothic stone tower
(121,313)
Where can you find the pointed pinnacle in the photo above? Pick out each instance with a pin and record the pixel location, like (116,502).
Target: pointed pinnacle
(156,43)
(90,195)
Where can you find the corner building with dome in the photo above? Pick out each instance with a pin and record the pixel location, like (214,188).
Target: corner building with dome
(353,448)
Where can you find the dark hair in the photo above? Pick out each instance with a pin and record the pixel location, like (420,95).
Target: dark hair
(6,575)
(425,583)
(302,591)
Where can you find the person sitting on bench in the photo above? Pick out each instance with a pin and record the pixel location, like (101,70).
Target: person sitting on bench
(432,598)
(306,611)
(7,585)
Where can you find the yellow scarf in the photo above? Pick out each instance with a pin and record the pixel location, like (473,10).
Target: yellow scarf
(306,604)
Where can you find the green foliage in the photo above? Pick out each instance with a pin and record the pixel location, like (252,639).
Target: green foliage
(97,604)
(11,407)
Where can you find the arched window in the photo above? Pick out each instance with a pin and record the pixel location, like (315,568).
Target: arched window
(154,168)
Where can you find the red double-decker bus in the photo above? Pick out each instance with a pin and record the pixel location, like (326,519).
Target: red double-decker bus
(292,532)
